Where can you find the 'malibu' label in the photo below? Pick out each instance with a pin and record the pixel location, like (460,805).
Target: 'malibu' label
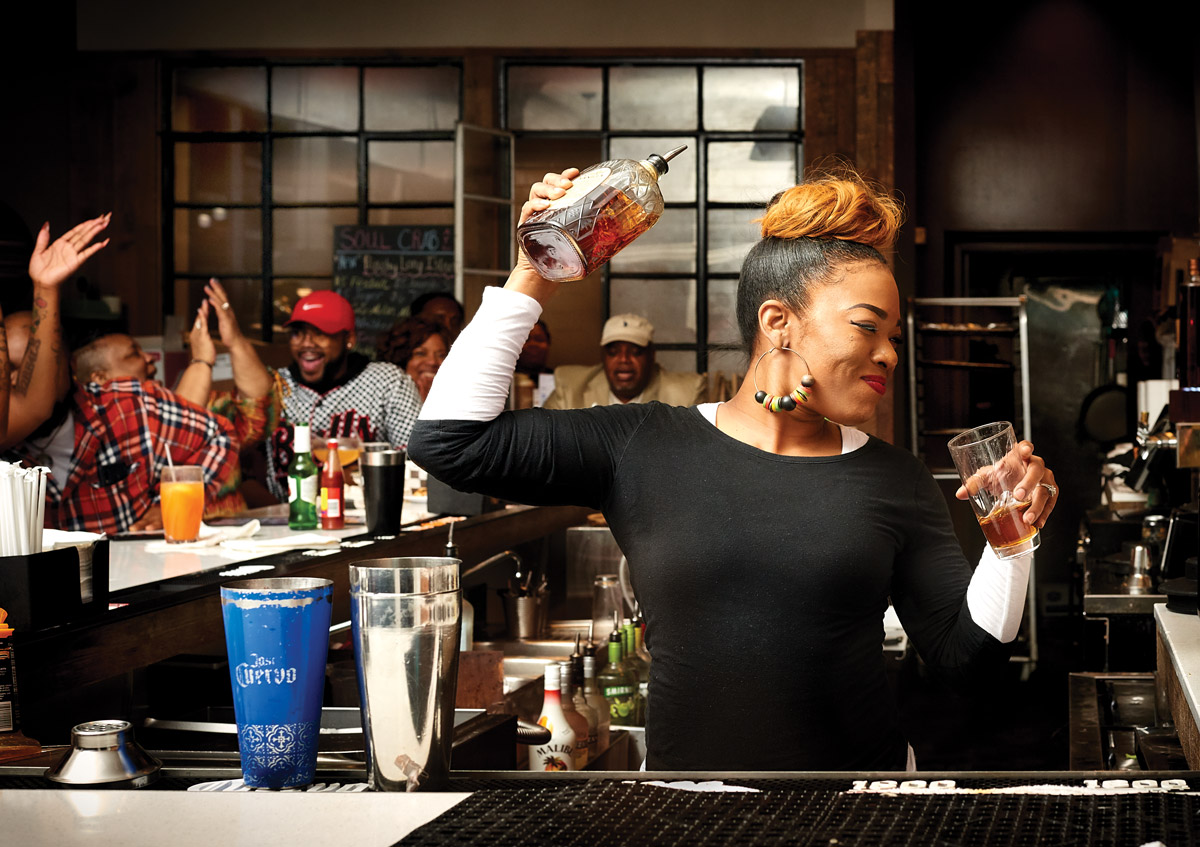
(554,757)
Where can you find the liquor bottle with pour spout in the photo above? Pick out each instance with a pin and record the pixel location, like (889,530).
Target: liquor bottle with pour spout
(607,206)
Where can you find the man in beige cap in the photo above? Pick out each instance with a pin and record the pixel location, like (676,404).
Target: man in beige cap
(628,373)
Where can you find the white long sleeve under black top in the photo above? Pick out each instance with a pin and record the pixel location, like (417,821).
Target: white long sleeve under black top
(763,578)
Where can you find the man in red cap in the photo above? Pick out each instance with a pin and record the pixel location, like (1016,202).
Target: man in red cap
(335,390)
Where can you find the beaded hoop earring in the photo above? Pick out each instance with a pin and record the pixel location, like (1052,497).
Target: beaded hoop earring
(788,402)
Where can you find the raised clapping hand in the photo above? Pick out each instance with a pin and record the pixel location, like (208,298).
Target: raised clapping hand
(1038,479)
(51,264)
(199,339)
(524,278)
(227,323)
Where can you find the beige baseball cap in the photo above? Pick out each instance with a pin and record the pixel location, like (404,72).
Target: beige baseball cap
(632,328)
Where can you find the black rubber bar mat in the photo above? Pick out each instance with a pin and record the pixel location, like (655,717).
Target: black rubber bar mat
(614,813)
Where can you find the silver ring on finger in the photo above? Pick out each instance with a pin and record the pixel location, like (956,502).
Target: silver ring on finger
(1053,489)
(225,305)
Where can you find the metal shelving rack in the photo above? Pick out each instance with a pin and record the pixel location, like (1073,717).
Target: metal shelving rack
(955,328)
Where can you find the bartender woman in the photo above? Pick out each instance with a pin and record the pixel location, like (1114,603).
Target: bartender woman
(763,544)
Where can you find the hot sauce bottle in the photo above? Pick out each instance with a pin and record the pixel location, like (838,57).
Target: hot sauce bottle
(333,501)
(607,206)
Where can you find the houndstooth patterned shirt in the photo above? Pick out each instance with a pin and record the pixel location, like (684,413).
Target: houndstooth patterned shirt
(379,403)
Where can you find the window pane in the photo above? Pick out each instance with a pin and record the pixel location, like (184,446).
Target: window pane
(676,360)
(678,184)
(487,164)
(208,245)
(419,217)
(219,99)
(288,291)
(762,99)
(315,99)
(731,234)
(669,304)
(218,172)
(315,170)
(245,299)
(722,312)
(667,247)
(731,363)
(411,172)
(555,97)
(304,239)
(403,99)
(749,172)
(652,98)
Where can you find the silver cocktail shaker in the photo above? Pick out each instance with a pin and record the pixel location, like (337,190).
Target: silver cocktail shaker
(405,617)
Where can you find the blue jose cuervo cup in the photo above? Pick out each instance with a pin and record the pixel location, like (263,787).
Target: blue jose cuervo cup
(277,638)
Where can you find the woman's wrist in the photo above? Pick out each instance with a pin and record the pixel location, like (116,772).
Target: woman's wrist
(202,362)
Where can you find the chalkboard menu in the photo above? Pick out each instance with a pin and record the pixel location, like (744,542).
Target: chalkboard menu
(382,269)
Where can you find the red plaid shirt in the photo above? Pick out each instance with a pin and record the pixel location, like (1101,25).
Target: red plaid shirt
(120,429)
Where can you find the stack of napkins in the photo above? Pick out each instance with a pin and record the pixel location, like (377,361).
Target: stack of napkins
(238,541)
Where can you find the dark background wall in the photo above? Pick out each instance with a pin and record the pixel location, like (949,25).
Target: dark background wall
(1050,148)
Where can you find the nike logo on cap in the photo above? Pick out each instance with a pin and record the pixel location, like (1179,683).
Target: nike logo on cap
(308,306)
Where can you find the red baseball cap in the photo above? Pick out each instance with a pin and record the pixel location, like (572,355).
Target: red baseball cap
(328,311)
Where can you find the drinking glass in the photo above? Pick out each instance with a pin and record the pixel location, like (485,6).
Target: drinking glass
(277,638)
(181,496)
(606,600)
(990,468)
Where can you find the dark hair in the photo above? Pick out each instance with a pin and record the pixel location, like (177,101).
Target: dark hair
(421,302)
(398,344)
(810,232)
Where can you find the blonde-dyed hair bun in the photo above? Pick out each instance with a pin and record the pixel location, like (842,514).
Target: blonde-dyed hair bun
(839,206)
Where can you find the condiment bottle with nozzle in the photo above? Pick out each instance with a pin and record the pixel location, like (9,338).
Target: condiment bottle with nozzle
(607,206)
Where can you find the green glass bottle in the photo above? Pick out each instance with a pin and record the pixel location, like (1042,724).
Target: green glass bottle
(636,668)
(615,684)
(303,477)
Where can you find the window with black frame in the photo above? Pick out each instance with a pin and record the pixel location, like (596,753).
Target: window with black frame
(743,124)
(263,159)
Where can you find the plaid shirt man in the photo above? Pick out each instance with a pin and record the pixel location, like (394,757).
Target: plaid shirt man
(121,428)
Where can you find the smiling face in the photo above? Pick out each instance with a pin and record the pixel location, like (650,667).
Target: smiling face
(628,368)
(425,360)
(127,359)
(849,336)
(318,355)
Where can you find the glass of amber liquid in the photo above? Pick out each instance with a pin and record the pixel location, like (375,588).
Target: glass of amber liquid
(990,467)
(181,495)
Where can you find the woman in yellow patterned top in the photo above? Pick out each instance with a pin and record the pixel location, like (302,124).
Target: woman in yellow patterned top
(253,407)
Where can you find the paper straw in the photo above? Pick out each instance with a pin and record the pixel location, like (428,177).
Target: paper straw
(21,512)
(8,529)
(170,464)
(40,523)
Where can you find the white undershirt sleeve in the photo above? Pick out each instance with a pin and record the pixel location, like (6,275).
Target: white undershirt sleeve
(474,381)
(996,595)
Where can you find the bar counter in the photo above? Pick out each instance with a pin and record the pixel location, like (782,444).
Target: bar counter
(182,614)
(1179,675)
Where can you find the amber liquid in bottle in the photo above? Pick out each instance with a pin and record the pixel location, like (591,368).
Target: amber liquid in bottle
(614,222)
(609,205)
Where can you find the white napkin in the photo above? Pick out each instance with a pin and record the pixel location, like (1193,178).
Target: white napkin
(318,787)
(305,540)
(52,538)
(210,538)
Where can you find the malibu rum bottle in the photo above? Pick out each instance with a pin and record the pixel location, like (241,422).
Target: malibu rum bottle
(607,206)
(558,753)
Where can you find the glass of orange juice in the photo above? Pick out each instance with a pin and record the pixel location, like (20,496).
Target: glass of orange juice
(181,494)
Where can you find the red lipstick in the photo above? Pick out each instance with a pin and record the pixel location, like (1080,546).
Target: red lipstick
(876,382)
